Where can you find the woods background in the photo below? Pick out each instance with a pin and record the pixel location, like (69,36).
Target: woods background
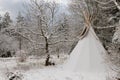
(50,28)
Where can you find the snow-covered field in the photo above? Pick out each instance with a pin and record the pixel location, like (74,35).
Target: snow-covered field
(51,73)
(34,69)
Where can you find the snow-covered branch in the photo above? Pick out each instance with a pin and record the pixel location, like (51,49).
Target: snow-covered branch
(34,32)
(106,3)
(105,27)
(30,40)
(61,41)
(103,3)
(117,5)
(104,7)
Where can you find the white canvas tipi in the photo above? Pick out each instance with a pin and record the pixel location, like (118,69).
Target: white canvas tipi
(88,57)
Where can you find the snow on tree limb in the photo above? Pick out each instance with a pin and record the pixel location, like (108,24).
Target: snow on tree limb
(105,27)
(34,32)
(103,3)
(61,41)
(117,5)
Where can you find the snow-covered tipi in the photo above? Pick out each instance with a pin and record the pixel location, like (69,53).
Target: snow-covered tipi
(88,55)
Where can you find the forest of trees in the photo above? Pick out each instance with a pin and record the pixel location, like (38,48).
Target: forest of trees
(43,29)
(46,29)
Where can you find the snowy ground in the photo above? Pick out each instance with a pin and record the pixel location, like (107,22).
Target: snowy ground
(54,73)
(51,73)
(34,69)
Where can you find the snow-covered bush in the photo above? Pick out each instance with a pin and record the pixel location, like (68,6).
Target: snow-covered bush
(116,37)
(8,45)
(22,55)
(14,76)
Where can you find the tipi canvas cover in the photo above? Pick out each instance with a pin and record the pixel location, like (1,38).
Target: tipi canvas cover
(88,56)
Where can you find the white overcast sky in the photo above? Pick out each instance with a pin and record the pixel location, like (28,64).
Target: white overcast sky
(14,6)
(11,6)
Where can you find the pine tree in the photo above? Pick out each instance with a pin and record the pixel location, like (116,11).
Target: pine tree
(20,25)
(6,20)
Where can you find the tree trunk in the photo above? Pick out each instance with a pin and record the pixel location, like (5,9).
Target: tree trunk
(20,44)
(47,52)
(46,45)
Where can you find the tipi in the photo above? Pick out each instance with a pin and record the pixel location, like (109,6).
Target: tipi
(88,55)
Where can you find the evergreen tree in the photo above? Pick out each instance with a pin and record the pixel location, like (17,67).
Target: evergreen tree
(20,20)
(6,20)
(20,25)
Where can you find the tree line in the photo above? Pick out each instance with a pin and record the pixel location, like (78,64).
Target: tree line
(43,29)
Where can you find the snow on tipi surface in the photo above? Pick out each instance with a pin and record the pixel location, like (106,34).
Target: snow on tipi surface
(87,56)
